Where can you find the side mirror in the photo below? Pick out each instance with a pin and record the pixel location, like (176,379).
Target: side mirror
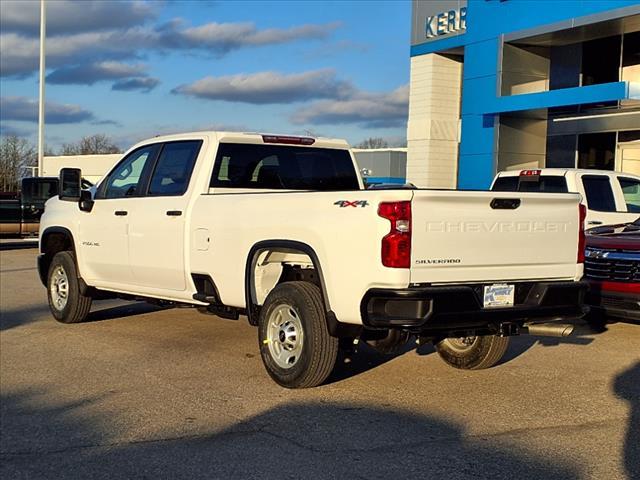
(70,184)
(86,201)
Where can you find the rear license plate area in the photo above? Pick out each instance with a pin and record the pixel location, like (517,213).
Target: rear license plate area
(498,295)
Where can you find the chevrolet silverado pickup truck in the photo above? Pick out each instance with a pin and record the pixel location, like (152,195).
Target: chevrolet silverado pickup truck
(610,197)
(281,230)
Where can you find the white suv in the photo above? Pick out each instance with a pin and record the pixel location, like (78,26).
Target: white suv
(611,197)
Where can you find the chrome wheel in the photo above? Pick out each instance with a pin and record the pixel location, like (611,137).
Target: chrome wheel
(285,336)
(59,288)
(461,343)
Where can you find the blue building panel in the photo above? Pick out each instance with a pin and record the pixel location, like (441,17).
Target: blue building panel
(603,92)
(487,23)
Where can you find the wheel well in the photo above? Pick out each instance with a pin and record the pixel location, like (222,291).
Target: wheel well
(51,243)
(273,262)
(275,266)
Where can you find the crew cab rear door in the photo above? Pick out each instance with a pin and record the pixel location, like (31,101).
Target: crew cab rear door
(485,236)
(157,219)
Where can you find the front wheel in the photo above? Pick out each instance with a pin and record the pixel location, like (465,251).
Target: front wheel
(66,303)
(472,353)
(295,344)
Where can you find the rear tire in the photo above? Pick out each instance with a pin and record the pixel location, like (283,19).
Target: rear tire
(295,345)
(66,303)
(472,353)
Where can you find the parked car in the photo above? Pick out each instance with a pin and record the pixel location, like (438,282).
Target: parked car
(281,229)
(612,267)
(20,211)
(611,197)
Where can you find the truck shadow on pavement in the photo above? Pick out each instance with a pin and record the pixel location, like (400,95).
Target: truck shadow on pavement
(315,440)
(22,316)
(627,387)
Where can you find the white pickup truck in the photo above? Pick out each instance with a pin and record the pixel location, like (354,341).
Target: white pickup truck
(610,197)
(281,229)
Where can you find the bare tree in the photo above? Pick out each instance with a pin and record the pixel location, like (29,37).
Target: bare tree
(16,154)
(373,142)
(90,145)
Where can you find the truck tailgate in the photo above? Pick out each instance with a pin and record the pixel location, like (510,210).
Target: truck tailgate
(480,236)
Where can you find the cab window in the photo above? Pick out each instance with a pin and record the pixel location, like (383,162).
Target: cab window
(597,189)
(631,192)
(126,179)
(173,168)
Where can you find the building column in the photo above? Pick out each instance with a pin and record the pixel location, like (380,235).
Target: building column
(434,121)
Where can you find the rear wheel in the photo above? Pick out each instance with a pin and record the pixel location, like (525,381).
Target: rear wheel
(472,353)
(295,344)
(66,302)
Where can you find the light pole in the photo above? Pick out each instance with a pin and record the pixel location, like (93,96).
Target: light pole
(43,32)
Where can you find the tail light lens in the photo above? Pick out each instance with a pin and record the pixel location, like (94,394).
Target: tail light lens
(581,236)
(396,245)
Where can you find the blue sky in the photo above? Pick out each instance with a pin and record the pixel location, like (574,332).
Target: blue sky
(135,69)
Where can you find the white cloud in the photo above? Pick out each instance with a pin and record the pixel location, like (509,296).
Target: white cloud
(269,87)
(72,16)
(26,110)
(371,110)
(88,74)
(19,52)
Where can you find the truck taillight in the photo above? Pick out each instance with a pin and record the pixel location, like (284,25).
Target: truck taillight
(581,236)
(396,245)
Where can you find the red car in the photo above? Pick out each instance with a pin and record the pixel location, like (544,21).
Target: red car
(612,267)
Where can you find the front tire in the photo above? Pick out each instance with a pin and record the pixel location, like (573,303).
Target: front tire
(66,303)
(295,345)
(472,353)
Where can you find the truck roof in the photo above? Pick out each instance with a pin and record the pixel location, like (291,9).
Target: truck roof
(247,137)
(562,172)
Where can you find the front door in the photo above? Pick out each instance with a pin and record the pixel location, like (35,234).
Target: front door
(104,232)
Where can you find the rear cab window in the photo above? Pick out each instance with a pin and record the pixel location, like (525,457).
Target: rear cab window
(278,167)
(541,183)
(173,168)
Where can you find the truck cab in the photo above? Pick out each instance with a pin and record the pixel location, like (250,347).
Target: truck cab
(610,197)
(20,213)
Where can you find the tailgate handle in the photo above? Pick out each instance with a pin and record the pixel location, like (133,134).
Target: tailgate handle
(505,203)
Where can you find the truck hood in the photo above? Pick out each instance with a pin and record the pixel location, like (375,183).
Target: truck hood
(620,237)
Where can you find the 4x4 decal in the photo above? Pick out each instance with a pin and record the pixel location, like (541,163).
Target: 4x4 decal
(354,203)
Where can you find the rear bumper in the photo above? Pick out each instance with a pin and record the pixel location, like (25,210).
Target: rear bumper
(459,307)
(620,305)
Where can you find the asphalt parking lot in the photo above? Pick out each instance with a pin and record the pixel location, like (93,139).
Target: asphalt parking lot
(143,392)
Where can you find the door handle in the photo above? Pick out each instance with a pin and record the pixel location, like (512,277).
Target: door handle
(174,213)
(594,222)
(120,213)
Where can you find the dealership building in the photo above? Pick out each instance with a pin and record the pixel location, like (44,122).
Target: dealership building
(518,84)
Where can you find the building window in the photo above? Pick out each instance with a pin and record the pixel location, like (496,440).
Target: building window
(597,150)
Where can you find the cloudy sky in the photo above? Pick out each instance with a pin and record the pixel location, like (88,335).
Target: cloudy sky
(135,69)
